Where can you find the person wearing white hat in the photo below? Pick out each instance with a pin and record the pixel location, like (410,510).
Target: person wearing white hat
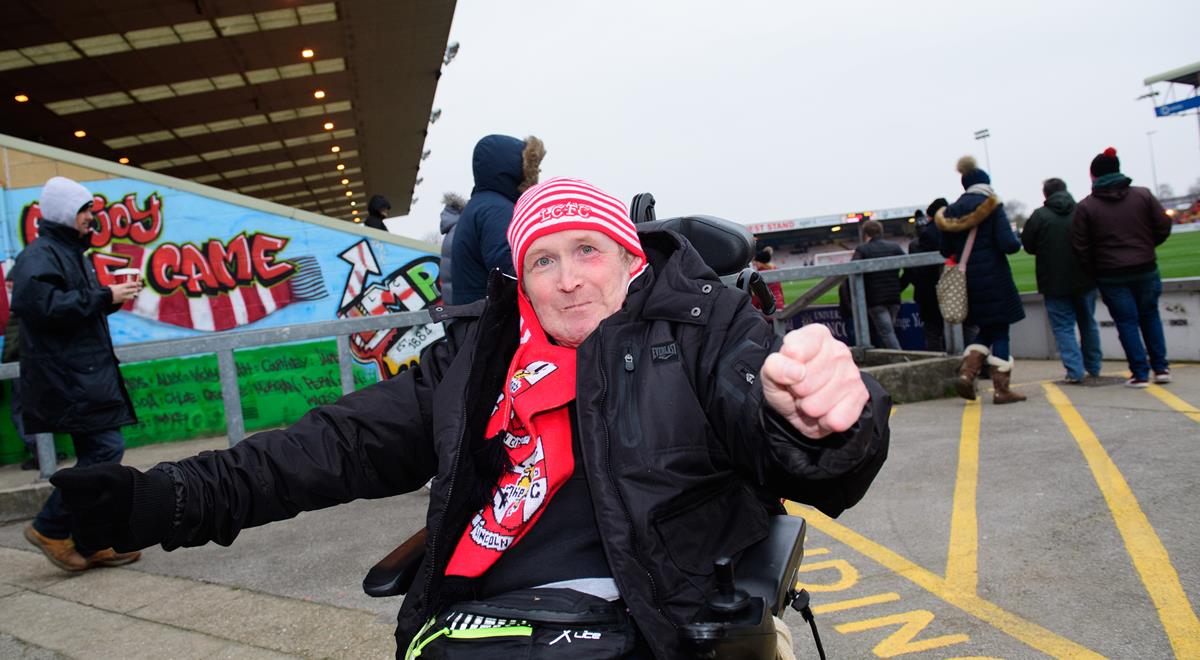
(70,382)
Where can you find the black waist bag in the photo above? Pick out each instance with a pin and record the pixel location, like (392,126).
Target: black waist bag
(528,624)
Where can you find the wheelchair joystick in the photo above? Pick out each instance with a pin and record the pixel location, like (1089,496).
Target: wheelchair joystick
(728,599)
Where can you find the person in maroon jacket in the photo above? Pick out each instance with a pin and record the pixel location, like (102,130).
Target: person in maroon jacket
(1114,233)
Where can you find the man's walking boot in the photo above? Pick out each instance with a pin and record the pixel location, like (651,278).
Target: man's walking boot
(1001,377)
(60,552)
(968,370)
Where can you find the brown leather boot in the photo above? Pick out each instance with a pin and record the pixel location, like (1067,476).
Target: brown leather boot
(60,552)
(110,557)
(968,370)
(1001,376)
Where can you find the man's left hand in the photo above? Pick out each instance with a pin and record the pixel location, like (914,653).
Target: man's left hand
(812,382)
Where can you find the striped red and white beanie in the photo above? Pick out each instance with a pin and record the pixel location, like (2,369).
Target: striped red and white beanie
(561,204)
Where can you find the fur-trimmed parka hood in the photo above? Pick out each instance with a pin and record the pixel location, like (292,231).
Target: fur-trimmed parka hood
(506,165)
(968,221)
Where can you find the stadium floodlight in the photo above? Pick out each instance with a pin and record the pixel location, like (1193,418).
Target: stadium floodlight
(435,115)
(451,53)
(426,154)
(984,134)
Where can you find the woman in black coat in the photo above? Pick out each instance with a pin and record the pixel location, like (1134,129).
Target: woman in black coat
(993,304)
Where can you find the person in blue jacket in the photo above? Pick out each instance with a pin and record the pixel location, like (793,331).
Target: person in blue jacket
(993,303)
(504,167)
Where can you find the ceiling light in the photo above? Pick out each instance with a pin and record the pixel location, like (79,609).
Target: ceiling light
(345,182)
(341,166)
(335,148)
(319,94)
(329,126)
(353,203)
(349,193)
(307,53)
(21,98)
(123,160)
(358,220)
(355,211)
(80,134)
(835,228)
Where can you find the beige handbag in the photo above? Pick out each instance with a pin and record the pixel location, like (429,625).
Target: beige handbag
(952,286)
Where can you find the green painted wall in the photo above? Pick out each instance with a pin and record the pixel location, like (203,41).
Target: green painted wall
(180,398)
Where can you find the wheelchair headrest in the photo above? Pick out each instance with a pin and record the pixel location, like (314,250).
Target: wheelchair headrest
(725,246)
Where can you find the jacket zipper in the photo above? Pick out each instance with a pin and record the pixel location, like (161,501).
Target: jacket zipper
(637,553)
(436,534)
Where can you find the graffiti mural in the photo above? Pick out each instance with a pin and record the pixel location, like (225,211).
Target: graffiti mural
(411,287)
(212,266)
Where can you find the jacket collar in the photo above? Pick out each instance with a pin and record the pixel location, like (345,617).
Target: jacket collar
(678,287)
(64,234)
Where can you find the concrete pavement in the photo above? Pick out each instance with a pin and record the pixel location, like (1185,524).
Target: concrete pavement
(1062,527)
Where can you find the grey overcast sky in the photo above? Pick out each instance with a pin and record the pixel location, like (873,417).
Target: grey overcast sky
(757,111)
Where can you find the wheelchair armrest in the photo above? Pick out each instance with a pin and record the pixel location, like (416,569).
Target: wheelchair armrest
(768,568)
(393,575)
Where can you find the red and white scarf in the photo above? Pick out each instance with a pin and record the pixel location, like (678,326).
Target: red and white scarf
(531,419)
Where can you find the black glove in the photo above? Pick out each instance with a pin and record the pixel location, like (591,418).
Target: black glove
(117,506)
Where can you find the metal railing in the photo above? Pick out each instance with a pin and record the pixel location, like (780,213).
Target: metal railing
(224,344)
(854,270)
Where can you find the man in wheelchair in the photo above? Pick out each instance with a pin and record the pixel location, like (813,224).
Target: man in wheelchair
(602,428)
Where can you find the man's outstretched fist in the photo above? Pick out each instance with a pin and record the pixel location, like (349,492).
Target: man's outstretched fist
(813,383)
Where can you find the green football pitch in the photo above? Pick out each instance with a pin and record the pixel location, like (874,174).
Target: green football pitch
(1178,257)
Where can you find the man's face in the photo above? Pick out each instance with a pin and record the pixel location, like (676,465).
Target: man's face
(575,279)
(83,222)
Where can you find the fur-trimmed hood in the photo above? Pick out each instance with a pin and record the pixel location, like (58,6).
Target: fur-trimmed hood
(968,221)
(506,165)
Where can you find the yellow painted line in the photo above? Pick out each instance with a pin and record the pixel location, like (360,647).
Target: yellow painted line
(962,558)
(1010,624)
(843,605)
(903,641)
(1174,402)
(1149,556)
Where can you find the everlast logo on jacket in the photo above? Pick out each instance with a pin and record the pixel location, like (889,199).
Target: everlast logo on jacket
(664,352)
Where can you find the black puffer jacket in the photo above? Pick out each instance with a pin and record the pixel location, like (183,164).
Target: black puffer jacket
(677,444)
(882,286)
(924,278)
(69,377)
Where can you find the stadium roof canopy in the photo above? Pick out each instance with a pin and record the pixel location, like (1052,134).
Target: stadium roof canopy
(1184,75)
(252,96)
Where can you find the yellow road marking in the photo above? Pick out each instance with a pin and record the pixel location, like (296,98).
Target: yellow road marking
(903,640)
(815,552)
(847,575)
(1175,402)
(962,559)
(1149,556)
(843,605)
(1010,624)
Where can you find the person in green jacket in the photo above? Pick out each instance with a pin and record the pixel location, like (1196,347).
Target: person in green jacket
(1069,292)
